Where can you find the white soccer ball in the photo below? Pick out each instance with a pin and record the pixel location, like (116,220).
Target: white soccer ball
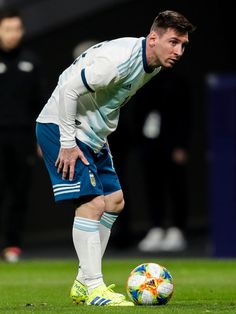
(150,284)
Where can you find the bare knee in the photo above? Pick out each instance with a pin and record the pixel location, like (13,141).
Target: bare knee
(92,209)
(114,202)
(120,205)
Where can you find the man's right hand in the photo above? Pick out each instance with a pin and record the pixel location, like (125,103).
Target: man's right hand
(66,161)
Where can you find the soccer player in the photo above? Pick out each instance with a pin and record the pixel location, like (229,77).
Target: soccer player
(72,131)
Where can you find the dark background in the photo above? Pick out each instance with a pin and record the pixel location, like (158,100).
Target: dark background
(54,28)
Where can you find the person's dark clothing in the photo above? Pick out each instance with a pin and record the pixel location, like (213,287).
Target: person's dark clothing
(20,102)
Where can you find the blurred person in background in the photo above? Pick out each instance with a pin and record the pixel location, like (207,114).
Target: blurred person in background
(20,98)
(72,131)
(165,134)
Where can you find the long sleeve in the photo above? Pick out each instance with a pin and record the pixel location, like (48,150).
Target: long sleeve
(68,97)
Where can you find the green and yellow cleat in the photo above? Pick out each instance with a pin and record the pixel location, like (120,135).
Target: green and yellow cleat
(105,296)
(78,292)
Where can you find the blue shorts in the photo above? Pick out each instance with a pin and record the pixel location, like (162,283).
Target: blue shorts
(98,178)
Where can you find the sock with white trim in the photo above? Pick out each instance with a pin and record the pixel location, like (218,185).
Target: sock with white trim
(87,244)
(106,222)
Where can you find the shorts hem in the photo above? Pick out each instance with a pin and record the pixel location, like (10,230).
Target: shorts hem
(74,197)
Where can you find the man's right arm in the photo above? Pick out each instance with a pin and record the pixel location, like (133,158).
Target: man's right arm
(68,97)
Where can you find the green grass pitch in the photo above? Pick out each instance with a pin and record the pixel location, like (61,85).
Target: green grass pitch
(42,286)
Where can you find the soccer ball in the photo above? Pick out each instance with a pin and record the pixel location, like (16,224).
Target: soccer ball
(150,284)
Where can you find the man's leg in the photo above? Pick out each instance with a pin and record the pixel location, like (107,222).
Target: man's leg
(87,242)
(114,204)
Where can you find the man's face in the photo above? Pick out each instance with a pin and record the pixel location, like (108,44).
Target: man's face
(11,32)
(168,47)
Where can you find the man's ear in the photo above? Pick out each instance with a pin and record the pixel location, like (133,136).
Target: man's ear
(153,36)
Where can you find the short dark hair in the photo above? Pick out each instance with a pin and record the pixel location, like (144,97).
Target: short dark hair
(9,13)
(172,19)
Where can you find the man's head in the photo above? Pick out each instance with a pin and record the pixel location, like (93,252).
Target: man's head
(11,29)
(167,39)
